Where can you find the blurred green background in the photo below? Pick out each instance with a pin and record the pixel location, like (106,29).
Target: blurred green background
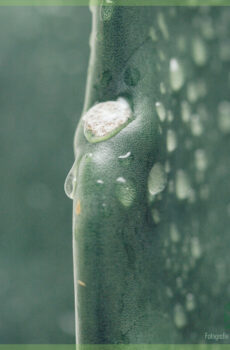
(43,64)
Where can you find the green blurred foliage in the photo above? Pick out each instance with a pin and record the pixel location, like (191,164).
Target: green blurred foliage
(43,64)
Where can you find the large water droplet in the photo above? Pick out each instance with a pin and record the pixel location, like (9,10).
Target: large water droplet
(125,192)
(157,179)
(176,74)
(71,182)
(160,111)
(106,119)
(180,318)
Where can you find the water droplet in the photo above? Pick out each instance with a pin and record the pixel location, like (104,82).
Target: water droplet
(167,167)
(196,126)
(101,182)
(183,188)
(224,116)
(174,233)
(200,160)
(125,192)
(190,302)
(153,34)
(180,318)
(176,74)
(195,248)
(106,119)
(162,88)
(199,51)
(162,25)
(160,111)
(131,76)
(170,116)
(71,182)
(171,140)
(157,179)
(185,111)
(156,216)
(192,92)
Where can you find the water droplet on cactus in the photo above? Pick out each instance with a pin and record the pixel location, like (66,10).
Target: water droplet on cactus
(176,74)
(106,119)
(131,76)
(160,111)
(180,318)
(171,140)
(126,159)
(125,192)
(195,248)
(157,179)
(200,160)
(71,182)
(162,88)
(185,111)
(224,117)
(196,126)
(156,216)
(199,51)
(153,34)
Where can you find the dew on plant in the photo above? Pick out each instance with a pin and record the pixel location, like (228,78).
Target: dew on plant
(180,317)
(101,182)
(224,117)
(157,179)
(167,166)
(200,160)
(190,303)
(176,74)
(161,112)
(71,182)
(125,192)
(162,88)
(171,186)
(199,51)
(106,119)
(195,248)
(171,140)
(192,92)
(170,116)
(174,233)
(183,187)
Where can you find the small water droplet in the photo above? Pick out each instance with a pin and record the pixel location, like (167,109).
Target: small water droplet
(160,111)
(180,318)
(131,76)
(171,140)
(176,74)
(125,192)
(199,51)
(183,188)
(224,117)
(101,182)
(190,302)
(156,216)
(71,182)
(162,88)
(200,160)
(196,248)
(162,25)
(157,179)
(153,34)
(185,111)
(170,116)
(196,126)
(174,233)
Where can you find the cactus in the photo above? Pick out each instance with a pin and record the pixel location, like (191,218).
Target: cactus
(146,189)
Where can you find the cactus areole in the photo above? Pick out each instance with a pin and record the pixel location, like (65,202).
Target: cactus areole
(137,244)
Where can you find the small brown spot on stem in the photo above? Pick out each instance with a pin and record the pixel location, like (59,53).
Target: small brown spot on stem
(78,208)
(81,283)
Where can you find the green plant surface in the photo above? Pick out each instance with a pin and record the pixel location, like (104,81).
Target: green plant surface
(151,200)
